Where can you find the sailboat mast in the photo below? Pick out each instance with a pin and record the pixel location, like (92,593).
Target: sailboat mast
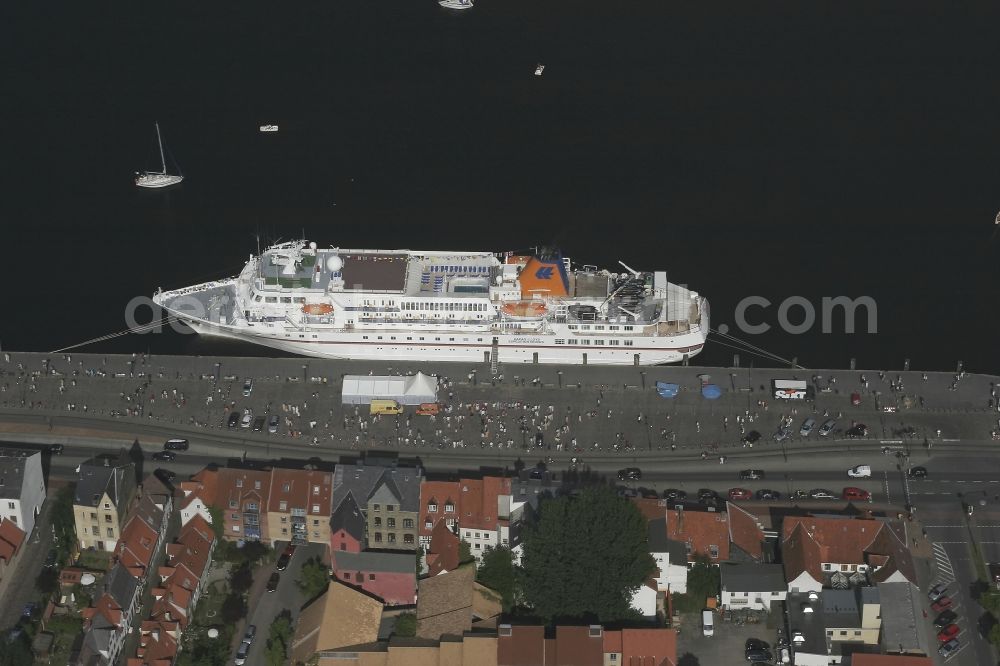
(159,139)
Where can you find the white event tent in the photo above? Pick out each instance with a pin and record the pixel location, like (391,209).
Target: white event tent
(412,390)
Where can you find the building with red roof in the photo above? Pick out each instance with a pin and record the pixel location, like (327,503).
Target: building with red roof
(299,505)
(438,502)
(241,495)
(198,495)
(703,530)
(816,550)
(11,538)
(443,550)
(592,645)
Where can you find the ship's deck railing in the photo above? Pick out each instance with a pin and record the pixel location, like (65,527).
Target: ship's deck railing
(204,286)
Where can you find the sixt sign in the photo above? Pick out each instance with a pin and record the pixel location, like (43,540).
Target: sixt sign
(544,273)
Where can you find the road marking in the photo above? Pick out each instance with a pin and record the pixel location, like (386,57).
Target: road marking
(945,571)
(953,527)
(885,483)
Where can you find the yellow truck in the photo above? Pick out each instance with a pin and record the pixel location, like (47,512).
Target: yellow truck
(385,407)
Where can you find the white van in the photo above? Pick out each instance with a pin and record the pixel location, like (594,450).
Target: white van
(707,623)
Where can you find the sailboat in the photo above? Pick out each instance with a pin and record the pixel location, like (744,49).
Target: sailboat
(456,4)
(158,178)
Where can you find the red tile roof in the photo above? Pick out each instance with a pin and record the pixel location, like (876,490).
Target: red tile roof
(11,538)
(808,542)
(574,646)
(137,546)
(301,488)
(187,559)
(524,647)
(157,644)
(745,531)
(439,493)
(612,641)
(442,554)
(204,485)
(865,659)
(649,647)
(651,509)
(700,529)
(235,488)
(479,504)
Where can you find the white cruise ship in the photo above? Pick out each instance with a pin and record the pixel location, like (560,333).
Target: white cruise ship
(410,305)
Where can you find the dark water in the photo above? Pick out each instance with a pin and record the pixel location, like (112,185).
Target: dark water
(773,149)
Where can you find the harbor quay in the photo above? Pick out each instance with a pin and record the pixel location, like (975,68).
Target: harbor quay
(593,413)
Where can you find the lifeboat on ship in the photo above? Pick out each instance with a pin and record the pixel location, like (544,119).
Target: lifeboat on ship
(524,310)
(317,308)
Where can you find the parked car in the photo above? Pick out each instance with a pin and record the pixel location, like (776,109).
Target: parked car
(751,437)
(250,634)
(674,494)
(948,633)
(272,424)
(859,472)
(821,493)
(165,475)
(50,559)
(799,494)
(707,495)
(234,420)
(807,427)
(164,456)
(28,611)
(945,618)
(175,445)
(272,582)
(751,474)
(247,418)
(740,494)
(629,474)
(282,562)
(756,644)
(768,494)
(941,604)
(759,654)
(258,424)
(857,431)
(782,434)
(949,647)
(856,494)
(248,387)
(855,399)
(428,409)
(937,591)
(917,472)
(241,654)
(827,427)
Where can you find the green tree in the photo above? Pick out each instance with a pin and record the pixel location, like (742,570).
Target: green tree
(218,522)
(313,578)
(240,579)
(279,638)
(584,557)
(63,523)
(497,572)
(994,635)
(234,608)
(15,649)
(406,625)
(464,552)
(47,581)
(703,580)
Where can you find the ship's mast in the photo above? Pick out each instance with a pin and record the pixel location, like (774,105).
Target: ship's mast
(159,140)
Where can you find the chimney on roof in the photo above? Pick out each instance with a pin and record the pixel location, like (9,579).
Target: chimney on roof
(680,518)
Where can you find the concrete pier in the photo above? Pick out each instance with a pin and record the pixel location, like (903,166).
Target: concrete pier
(591,412)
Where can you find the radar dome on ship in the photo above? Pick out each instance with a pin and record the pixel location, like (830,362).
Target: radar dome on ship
(334,263)
(312,245)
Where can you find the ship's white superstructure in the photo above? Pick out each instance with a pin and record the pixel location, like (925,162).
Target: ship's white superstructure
(446,305)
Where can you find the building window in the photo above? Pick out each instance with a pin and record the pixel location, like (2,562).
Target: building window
(713,552)
(111,532)
(233,504)
(392,537)
(282,505)
(315,490)
(315,523)
(407,523)
(107,517)
(390,507)
(857,632)
(378,537)
(391,523)
(407,538)
(236,528)
(449,508)
(10,505)
(432,508)
(239,483)
(286,487)
(843,633)
(614,656)
(377,507)
(378,522)
(315,508)
(428,524)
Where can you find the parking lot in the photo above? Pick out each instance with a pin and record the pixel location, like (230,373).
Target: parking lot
(724,648)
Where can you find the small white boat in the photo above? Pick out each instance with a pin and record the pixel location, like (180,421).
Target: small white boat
(268,128)
(155,179)
(456,4)
(539,69)
(997,220)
